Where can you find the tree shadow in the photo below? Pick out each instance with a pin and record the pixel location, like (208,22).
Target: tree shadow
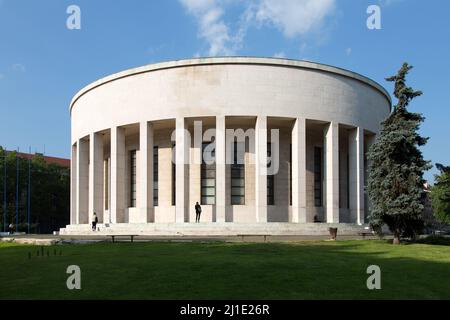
(433,240)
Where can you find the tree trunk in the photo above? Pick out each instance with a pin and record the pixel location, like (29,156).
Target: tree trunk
(396,238)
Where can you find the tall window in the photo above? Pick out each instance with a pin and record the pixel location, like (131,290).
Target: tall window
(318,177)
(238,175)
(155,175)
(348,182)
(106,183)
(270,179)
(208,176)
(133,178)
(174,178)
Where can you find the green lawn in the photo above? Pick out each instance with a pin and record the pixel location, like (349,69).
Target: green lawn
(302,270)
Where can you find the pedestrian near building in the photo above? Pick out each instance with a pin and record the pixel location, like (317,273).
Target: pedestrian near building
(198,212)
(94,222)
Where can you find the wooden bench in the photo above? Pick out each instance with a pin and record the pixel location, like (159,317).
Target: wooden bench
(254,235)
(365,233)
(113,237)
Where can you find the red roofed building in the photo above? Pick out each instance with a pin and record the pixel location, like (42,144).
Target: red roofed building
(53,160)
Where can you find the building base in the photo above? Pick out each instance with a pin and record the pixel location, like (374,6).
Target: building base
(214,229)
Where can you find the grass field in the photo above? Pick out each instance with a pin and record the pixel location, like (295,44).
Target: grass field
(302,270)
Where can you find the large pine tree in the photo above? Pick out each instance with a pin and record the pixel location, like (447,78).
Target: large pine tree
(395,183)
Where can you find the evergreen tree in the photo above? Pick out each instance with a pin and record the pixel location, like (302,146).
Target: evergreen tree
(395,182)
(440,195)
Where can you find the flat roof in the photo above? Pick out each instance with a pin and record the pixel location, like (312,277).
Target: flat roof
(301,64)
(52,160)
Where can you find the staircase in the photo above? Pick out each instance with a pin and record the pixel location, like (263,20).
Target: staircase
(213,229)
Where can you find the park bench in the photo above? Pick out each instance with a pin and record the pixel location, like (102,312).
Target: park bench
(253,235)
(113,237)
(365,233)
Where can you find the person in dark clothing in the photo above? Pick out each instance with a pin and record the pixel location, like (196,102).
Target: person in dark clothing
(198,212)
(94,222)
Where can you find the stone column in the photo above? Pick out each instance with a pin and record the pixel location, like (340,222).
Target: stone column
(194,192)
(146,171)
(182,166)
(118,203)
(96,176)
(73,185)
(299,171)
(356,174)
(220,168)
(261,169)
(331,145)
(82,181)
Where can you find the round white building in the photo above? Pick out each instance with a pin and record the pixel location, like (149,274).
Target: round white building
(256,141)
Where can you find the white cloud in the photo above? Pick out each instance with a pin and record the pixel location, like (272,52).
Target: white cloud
(1,76)
(294,18)
(212,27)
(279,55)
(387,3)
(348,51)
(18,67)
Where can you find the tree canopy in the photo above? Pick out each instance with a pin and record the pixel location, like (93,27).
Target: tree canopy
(49,197)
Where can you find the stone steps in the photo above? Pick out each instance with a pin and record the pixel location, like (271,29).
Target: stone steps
(213,229)
(33,241)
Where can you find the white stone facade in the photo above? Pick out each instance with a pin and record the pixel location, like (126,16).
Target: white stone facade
(124,167)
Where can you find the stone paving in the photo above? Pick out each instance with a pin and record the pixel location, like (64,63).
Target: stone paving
(85,239)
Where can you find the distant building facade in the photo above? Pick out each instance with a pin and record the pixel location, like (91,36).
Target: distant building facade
(50,160)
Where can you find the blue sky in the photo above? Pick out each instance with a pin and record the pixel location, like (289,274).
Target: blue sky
(43,63)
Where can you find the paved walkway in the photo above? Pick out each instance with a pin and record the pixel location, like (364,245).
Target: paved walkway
(53,239)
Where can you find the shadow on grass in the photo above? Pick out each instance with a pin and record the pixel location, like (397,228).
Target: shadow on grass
(434,240)
(303,270)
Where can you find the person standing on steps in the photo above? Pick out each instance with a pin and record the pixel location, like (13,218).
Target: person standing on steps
(11,228)
(94,222)
(198,212)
